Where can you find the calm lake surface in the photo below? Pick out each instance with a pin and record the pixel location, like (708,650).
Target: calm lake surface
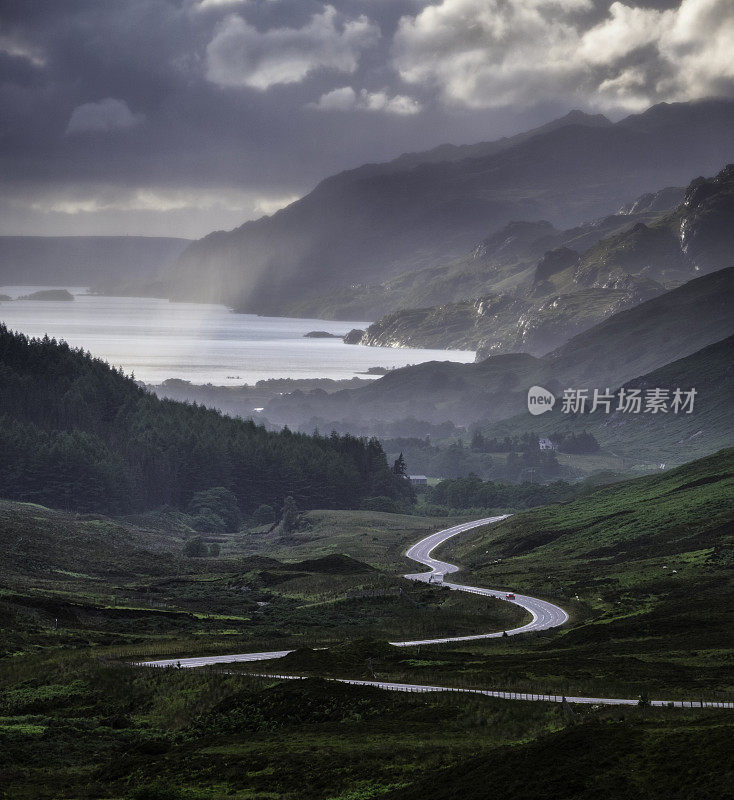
(156,339)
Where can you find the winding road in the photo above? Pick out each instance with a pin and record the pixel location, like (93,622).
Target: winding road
(545,615)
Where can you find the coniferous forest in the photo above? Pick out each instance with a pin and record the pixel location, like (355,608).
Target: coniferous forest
(78,434)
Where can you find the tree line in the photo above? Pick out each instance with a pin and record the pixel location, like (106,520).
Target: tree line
(472,492)
(78,434)
(565,442)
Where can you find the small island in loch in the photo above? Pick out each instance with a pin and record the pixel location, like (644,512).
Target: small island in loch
(48,294)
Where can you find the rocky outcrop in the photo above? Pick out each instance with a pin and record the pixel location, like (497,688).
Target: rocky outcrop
(354,336)
(698,236)
(548,324)
(496,324)
(455,325)
(517,241)
(567,292)
(650,251)
(706,228)
(658,202)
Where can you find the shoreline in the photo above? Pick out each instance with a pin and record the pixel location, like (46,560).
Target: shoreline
(156,341)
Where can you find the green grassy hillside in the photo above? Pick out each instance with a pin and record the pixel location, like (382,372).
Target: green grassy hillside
(645,569)
(643,441)
(680,511)
(615,759)
(71,581)
(72,729)
(82,592)
(375,537)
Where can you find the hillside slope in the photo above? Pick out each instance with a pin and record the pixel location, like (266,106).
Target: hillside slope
(376,221)
(628,344)
(79,435)
(533,303)
(644,567)
(505,262)
(683,510)
(650,438)
(622,760)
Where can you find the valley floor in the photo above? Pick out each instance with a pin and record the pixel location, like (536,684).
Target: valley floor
(84,595)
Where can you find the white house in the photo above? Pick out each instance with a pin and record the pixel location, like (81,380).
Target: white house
(546,444)
(418,480)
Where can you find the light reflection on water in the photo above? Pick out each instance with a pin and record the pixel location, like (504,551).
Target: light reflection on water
(200,343)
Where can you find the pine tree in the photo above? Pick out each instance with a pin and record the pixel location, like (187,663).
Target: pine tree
(400,467)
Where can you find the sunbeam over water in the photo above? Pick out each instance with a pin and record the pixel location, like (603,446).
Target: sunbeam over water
(156,339)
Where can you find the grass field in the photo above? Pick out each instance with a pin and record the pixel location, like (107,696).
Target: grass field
(643,566)
(581,463)
(72,582)
(645,569)
(593,462)
(80,728)
(376,538)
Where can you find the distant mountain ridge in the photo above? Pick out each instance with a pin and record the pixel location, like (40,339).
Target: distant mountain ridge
(628,344)
(500,263)
(102,262)
(453,152)
(536,308)
(374,222)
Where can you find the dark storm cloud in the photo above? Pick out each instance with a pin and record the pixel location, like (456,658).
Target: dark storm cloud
(210,133)
(157,116)
(494,53)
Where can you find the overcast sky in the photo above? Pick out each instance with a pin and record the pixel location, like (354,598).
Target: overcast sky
(179,117)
